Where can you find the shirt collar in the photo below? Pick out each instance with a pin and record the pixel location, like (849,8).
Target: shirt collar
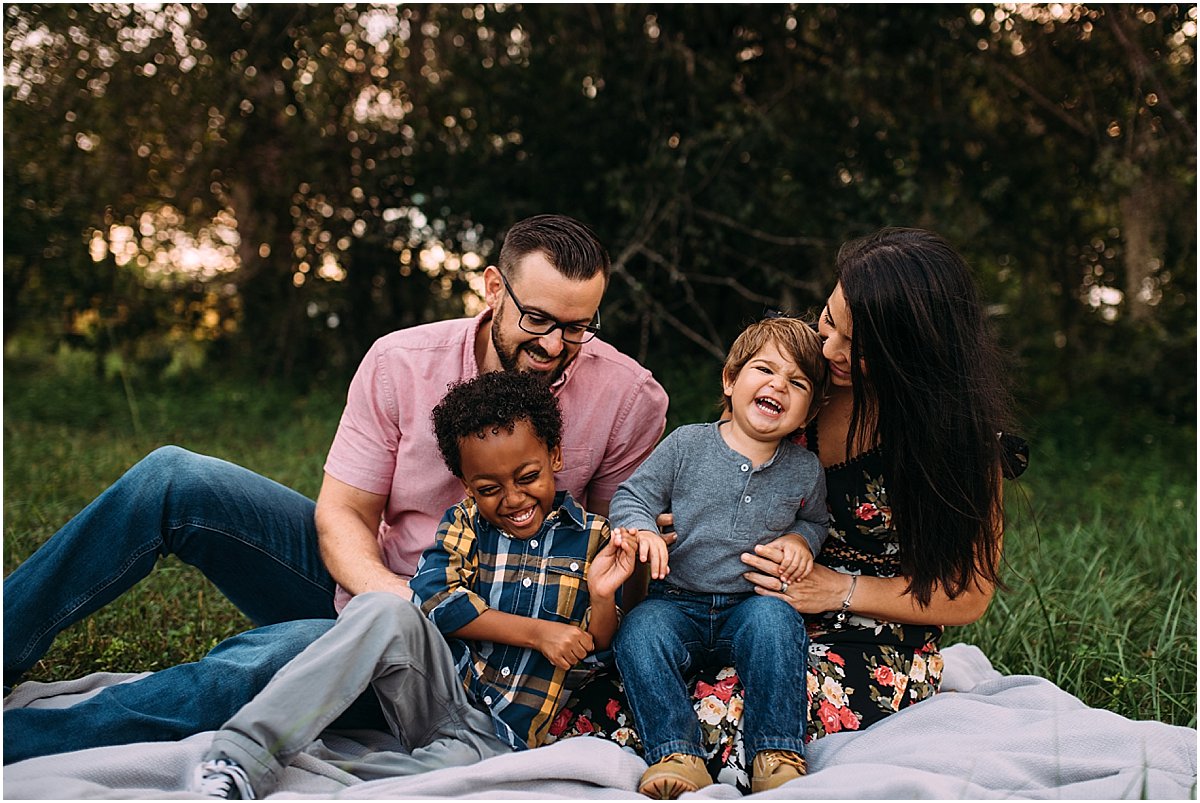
(570,508)
(564,504)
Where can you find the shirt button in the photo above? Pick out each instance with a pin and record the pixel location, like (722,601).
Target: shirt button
(527,582)
(747,498)
(574,566)
(505,672)
(488,699)
(533,544)
(745,466)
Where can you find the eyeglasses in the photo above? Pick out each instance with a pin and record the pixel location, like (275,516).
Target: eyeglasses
(536,323)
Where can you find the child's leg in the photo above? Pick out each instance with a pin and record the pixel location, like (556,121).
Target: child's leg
(657,643)
(769,646)
(378,636)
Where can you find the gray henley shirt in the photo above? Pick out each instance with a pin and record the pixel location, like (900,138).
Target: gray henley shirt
(723,505)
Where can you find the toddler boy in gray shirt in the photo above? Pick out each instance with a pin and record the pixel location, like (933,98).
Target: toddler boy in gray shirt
(731,485)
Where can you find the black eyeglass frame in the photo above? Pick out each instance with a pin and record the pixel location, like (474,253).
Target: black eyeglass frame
(589,330)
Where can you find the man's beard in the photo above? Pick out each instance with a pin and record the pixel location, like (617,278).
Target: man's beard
(508,355)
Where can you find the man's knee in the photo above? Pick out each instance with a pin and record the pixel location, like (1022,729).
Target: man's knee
(171,469)
(166,460)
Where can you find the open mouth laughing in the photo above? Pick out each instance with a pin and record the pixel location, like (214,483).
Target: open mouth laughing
(521,518)
(768,406)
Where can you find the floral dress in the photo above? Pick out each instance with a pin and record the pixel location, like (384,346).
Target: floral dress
(859,670)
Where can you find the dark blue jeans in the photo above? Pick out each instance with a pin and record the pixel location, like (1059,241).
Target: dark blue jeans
(252,537)
(673,631)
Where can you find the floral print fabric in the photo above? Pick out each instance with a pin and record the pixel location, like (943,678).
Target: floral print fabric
(859,671)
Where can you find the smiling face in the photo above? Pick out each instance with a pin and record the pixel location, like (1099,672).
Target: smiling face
(510,475)
(836,330)
(542,289)
(770,397)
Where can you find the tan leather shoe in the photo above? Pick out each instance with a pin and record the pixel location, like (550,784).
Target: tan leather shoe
(773,768)
(674,775)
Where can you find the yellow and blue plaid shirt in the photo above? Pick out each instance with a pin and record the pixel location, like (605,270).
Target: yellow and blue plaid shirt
(474,567)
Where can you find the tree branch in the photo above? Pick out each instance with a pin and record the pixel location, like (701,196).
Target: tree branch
(775,239)
(1143,65)
(640,292)
(1044,101)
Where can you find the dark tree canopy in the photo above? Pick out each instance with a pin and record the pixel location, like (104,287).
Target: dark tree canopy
(270,187)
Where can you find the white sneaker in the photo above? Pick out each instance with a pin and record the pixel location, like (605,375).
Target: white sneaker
(222,778)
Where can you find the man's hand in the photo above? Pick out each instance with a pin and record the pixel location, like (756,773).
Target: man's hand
(613,565)
(563,645)
(797,559)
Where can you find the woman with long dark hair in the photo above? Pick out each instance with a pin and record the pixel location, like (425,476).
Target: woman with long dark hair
(910,438)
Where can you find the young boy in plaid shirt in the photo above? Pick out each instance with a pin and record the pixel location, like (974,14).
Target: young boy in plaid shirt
(521,582)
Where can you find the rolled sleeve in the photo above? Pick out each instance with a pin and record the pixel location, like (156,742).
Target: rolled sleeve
(445,579)
(457,610)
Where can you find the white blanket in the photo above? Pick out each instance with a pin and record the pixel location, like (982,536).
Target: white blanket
(985,736)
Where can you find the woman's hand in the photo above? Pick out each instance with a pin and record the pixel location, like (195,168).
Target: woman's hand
(883,598)
(822,590)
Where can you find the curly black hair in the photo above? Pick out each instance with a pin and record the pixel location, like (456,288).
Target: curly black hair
(490,401)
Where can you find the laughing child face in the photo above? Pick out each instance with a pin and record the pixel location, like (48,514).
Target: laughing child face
(499,433)
(510,475)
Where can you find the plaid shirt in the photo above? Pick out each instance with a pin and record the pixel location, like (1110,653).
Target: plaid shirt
(474,567)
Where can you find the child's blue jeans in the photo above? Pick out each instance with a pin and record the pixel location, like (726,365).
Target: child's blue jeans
(674,631)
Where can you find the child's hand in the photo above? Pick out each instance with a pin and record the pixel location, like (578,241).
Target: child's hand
(563,645)
(797,559)
(652,549)
(614,564)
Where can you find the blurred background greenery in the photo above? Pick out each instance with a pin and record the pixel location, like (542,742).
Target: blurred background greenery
(211,211)
(268,188)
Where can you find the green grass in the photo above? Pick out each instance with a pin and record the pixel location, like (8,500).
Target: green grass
(1100,560)
(1100,550)
(67,438)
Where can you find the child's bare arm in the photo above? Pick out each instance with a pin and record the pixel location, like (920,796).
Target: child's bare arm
(609,570)
(563,645)
(797,557)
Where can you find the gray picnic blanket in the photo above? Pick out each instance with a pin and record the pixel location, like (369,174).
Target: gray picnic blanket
(986,735)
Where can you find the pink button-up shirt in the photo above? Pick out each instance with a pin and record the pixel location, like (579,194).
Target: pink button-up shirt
(613,412)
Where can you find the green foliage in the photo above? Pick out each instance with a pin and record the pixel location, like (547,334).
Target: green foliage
(1100,548)
(722,151)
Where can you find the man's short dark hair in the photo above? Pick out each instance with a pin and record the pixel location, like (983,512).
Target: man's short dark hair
(491,401)
(570,246)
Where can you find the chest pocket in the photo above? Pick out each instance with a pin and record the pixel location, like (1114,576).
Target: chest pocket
(563,599)
(784,512)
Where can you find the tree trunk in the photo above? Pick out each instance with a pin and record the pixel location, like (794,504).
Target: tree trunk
(1142,233)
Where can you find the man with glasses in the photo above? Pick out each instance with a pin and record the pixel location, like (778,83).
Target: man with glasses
(278,556)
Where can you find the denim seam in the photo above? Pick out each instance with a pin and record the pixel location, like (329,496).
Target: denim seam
(789,743)
(175,526)
(658,752)
(82,599)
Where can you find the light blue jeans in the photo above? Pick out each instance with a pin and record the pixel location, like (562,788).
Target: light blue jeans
(673,632)
(252,537)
